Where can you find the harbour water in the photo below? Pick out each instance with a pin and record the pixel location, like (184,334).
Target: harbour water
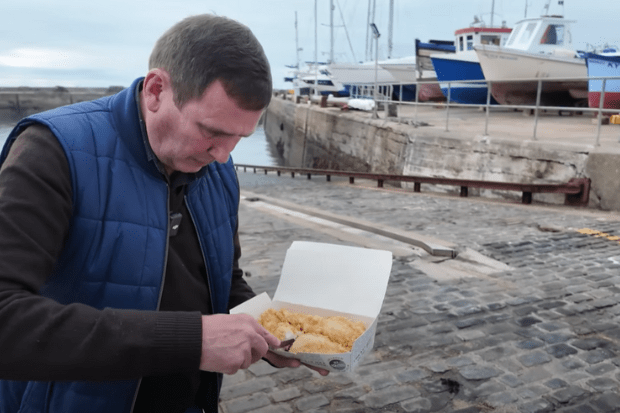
(253,150)
(4,132)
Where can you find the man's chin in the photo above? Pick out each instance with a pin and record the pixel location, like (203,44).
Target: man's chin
(194,167)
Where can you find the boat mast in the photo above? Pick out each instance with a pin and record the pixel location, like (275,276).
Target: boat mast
(346,31)
(369,36)
(390,29)
(492,11)
(372,18)
(331,31)
(296,42)
(367,30)
(316,46)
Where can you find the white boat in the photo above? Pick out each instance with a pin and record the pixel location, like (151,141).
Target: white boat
(405,71)
(304,81)
(538,48)
(359,79)
(314,78)
(408,71)
(361,73)
(402,70)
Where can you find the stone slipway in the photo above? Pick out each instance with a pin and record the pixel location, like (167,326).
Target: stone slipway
(526,319)
(432,141)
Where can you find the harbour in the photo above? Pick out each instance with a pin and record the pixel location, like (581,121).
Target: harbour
(496,195)
(510,103)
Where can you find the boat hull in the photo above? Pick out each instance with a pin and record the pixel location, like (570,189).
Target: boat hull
(603,66)
(501,65)
(452,69)
(430,92)
(426,92)
(355,74)
(407,92)
(403,70)
(407,75)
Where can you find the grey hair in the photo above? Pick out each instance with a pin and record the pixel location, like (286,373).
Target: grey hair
(202,49)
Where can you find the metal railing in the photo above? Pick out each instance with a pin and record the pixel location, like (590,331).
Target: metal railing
(386,93)
(366,91)
(576,190)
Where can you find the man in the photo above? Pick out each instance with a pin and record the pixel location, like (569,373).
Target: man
(118,236)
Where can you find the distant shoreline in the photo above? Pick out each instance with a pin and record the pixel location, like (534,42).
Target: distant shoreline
(18,102)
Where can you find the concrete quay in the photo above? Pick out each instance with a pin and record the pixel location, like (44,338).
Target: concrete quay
(525,319)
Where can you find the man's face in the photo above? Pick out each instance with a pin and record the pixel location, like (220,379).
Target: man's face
(206,129)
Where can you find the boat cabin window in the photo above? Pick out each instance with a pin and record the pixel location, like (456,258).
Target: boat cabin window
(554,34)
(526,37)
(489,39)
(470,42)
(516,32)
(461,41)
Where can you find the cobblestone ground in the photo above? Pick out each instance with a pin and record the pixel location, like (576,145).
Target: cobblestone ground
(541,335)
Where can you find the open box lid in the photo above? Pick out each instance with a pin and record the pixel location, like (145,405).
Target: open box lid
(335,277)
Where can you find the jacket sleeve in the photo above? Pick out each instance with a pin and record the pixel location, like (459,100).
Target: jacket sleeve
(41,339)
(240,291)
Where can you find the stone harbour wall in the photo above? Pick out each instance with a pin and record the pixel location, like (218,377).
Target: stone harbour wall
(327,138)
(17,102)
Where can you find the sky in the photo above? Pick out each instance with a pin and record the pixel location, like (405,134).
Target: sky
(107,43)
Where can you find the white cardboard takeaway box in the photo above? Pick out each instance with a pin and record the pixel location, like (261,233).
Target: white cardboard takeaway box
(329,279)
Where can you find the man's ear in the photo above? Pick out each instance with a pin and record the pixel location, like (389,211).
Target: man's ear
(156,84)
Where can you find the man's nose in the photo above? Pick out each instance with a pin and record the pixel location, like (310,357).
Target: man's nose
(221,151)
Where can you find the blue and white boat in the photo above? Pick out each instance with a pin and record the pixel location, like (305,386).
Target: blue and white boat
(463,65)
(605,64)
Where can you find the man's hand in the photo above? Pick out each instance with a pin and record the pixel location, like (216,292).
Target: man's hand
(233,342)
(277,360)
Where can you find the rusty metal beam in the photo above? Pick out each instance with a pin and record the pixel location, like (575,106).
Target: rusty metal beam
(577,190)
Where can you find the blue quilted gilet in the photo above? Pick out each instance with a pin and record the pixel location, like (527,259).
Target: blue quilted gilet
(116,250)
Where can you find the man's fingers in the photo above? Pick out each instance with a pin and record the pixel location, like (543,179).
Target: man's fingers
(321,371)
(272,341)
(277,360)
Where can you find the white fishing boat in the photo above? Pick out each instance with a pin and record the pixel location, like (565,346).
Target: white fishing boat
(538,48)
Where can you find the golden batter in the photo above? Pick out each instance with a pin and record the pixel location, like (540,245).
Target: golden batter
(314,334)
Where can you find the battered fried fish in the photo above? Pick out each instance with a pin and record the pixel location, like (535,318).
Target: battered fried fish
(314,334)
